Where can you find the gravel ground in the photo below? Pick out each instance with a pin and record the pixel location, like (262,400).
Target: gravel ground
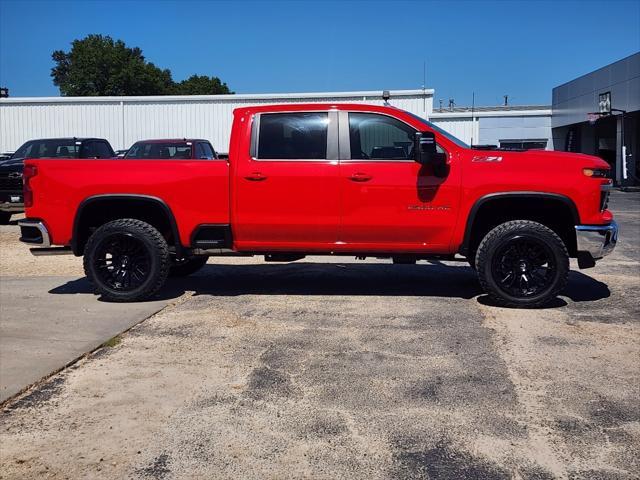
(347,370)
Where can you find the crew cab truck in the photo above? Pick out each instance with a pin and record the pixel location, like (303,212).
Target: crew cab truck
(327,179)
(11,200)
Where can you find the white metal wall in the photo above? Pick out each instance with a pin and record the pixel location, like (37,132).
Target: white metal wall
(462,128)
(124,120)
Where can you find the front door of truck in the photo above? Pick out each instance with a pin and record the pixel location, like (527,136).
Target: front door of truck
(287,185)
(389,201)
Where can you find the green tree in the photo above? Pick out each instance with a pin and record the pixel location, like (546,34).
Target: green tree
(99,66)
(201,85)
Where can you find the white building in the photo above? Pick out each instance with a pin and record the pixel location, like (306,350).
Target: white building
(124,120)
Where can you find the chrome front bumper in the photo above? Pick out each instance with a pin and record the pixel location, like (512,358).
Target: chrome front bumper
(34,232)
(597,240)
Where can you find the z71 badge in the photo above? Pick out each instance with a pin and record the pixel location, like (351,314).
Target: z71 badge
(484,158)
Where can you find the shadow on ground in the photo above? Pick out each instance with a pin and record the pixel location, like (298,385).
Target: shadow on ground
(344,279)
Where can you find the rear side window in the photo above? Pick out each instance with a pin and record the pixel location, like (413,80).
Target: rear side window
(48,149)
(300,136)
(162,150)
(209,153)
(99,150)
(204,151)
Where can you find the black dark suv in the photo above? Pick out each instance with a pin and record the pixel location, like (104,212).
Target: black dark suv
(11,200)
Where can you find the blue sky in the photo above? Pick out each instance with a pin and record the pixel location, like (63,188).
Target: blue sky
(523,49)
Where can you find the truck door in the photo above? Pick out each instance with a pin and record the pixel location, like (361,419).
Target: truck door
(389,201)
(286,195)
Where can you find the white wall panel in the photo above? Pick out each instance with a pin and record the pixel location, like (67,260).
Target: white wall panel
(19,123)
(462,128)
(124,120)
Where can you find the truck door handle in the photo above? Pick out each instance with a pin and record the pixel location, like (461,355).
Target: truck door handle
(360,177)
(256,177)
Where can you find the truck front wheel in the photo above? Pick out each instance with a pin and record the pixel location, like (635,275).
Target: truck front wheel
(522,264)
(126,260)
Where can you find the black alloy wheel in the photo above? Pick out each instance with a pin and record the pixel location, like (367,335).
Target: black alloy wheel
(122,261)
(524,266)
(522,263)
(126,260)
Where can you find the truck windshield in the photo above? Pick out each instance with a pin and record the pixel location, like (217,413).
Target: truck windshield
(175,150)
(439,130)
(63,148)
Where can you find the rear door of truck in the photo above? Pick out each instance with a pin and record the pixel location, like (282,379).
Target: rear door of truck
(286,183)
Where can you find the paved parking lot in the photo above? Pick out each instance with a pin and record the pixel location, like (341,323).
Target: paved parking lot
(348,370)
(45,326)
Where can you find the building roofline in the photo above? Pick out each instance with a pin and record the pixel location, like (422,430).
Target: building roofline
(597,70)
(525,111)
(230,97)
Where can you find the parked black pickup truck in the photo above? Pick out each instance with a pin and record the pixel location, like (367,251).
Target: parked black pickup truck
(11,200)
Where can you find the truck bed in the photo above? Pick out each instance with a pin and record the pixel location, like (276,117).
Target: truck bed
(196,190)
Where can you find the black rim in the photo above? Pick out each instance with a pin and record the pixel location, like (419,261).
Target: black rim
(122,262)
(524,267)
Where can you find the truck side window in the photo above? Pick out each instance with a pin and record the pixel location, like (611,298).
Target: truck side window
(379,137)
(96,150)
(204,151)
(300,136)
(102,150)
(200,152)
(208,151)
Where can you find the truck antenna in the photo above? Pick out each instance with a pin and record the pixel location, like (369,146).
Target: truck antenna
(473,106)
(424,88)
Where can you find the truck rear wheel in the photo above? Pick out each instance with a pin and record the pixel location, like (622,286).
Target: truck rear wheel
(522,264)
(126,260)
(181,267)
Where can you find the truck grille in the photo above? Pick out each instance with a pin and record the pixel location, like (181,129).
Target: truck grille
(12,184)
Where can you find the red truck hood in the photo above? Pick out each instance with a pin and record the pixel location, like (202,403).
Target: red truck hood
(544,156)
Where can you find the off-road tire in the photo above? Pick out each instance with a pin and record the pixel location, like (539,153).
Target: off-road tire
(5,218)
(498,238)
(155,245)
(186,266)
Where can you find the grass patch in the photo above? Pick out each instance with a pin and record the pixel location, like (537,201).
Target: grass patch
(112,342)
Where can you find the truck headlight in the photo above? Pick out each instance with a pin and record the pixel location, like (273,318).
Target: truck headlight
(596,172)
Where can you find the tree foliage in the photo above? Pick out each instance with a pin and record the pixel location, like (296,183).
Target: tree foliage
(201,85)
(99,66)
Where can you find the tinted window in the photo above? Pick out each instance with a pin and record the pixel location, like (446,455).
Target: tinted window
(170,150)
(379,137)
(208,151)
(293,136)
(101,150)
(48,149)
(524,144)
(199,151)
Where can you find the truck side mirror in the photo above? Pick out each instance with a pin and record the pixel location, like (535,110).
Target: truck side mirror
(426,153)
(424,147)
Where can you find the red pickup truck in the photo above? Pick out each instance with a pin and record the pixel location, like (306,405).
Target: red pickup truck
(327,179)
